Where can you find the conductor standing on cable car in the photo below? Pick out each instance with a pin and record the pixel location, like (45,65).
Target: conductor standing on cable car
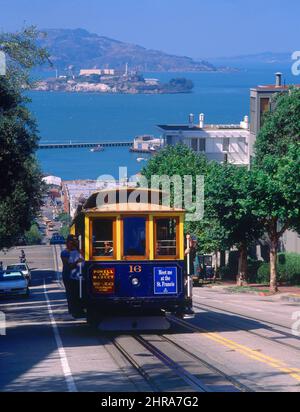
(72,259)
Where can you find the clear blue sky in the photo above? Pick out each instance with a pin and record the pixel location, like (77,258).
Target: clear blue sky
(197,28)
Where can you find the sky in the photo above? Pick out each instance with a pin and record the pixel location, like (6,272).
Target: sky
(196,28)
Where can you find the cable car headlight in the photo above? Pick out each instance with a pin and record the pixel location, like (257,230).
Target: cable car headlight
(135,282)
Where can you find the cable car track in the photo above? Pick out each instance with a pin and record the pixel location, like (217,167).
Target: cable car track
(190,379)
(237,384)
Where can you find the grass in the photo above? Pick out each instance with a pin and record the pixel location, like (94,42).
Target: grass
(246,289)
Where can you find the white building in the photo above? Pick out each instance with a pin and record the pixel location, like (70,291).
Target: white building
(230,143)
(90,72)
(147,143)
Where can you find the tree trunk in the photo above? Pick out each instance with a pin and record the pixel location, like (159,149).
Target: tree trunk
(216,264)
(243,266)
(273,264)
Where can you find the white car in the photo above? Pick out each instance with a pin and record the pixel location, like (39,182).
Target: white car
(20,267)
(13,283)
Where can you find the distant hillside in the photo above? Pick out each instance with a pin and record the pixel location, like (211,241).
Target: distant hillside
(259,58)
(86,50)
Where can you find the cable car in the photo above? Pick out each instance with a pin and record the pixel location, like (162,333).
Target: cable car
(134,249)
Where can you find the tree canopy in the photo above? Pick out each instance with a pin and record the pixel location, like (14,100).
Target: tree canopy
(21,184)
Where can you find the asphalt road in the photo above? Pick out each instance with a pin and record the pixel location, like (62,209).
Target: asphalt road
(235,343)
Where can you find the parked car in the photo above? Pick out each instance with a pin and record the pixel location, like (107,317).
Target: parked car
(13,283)
(57,239)
(21,267)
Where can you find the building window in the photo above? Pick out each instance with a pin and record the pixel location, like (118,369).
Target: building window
(103,238)
(202,145)
(264,108)
(134,236)
(226,144)
(169,140)
(194,144)
(166,237)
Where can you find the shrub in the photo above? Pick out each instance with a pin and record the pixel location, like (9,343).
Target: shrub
(33,236)
(288,269)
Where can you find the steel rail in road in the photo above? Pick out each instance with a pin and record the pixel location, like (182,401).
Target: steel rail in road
(242,349)
(240,386)
(182,373)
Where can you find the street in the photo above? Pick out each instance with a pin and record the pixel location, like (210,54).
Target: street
(235,343)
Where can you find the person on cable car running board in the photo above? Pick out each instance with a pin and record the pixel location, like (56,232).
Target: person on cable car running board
(72,259)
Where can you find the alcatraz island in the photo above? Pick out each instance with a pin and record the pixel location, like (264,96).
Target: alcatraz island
(112,81)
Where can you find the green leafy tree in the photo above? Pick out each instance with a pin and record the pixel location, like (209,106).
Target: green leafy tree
(21,183)
(33,236)
(65,231)
(281,126)
(64,218)
(226,192)
(275,190)
(274,196)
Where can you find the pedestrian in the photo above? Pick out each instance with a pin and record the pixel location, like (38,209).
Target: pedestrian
(72,260)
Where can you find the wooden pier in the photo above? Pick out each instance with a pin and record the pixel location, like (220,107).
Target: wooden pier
(73,145)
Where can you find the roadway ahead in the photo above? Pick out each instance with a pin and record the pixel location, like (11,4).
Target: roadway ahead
(239,343)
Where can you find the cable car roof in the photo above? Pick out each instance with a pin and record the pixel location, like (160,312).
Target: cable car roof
(133,208)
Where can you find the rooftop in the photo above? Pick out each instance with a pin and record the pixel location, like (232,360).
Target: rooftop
(185,127)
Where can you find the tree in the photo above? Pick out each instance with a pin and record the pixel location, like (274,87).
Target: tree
(274,190)
(65,218)
(65,231)
(274,196)
(226,192)
(281,126)
(21,180)
(33,236)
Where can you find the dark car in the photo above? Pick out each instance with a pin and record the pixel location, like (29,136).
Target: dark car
(57,239)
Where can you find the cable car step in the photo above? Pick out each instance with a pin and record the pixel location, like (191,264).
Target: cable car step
(134,323)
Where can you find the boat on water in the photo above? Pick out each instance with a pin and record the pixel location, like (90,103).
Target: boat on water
(98,148)
(141,159)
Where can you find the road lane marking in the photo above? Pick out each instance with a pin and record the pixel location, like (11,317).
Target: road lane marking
(245,350)
(62,354)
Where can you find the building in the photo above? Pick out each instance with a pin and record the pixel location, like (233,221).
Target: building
(90,72)
(221,143)
(146,143)
(97,72)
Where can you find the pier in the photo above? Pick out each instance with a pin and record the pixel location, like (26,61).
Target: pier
(73,145)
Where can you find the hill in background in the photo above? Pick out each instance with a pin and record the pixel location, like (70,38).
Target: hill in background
(83,49)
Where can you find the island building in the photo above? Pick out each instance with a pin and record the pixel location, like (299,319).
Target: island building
(98,72)
(219,142)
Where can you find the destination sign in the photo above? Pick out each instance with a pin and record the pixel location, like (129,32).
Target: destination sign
(103,280)
(165,281)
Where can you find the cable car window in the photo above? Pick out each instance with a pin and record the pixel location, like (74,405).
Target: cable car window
(166,237)
(134,235)
(103,242)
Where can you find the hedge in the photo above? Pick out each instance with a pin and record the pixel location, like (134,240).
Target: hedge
(288,269)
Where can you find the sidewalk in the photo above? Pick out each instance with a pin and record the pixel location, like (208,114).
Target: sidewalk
(286,293)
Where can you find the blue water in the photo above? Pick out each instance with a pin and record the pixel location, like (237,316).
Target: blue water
(223,97)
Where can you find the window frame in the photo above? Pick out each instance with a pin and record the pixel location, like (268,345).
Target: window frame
(113,219)
(167,257)
(147,253)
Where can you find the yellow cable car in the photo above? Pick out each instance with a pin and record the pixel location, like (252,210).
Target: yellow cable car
(134,256)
